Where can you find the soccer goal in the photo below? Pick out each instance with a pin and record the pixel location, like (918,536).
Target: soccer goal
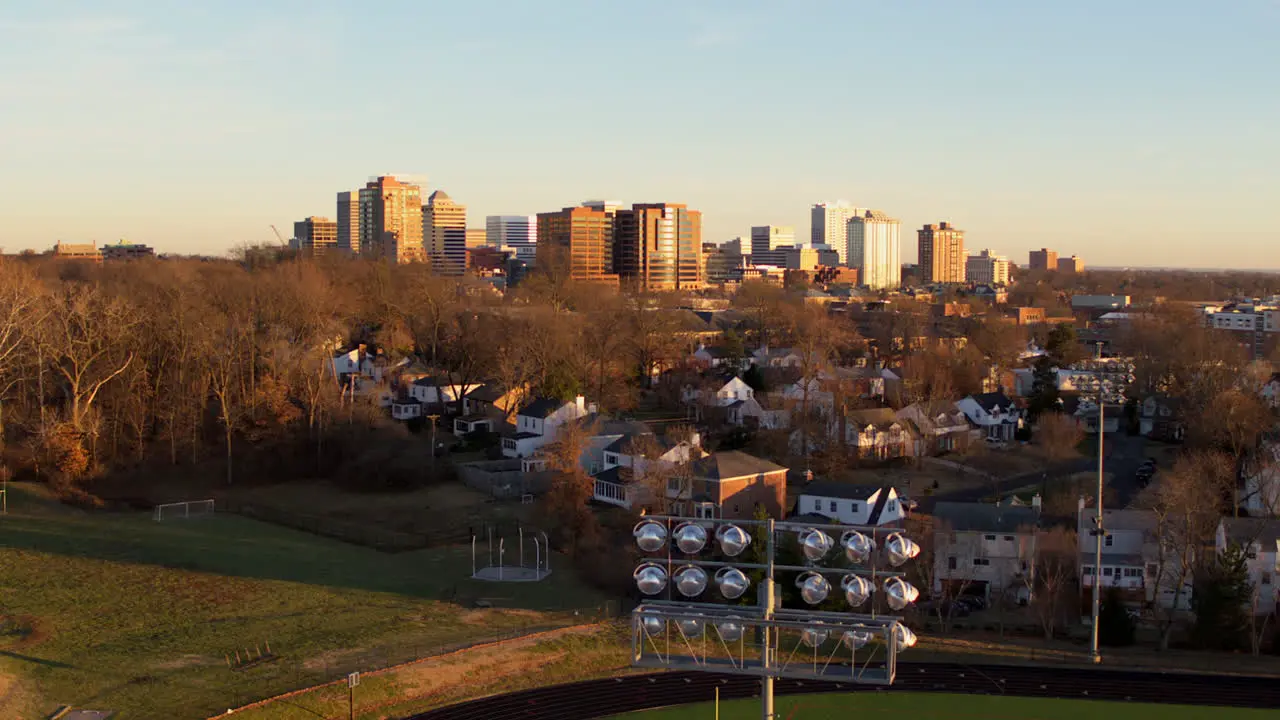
(182,510)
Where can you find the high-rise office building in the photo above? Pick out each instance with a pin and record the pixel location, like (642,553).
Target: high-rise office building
(349,222)
(391,220)
(875,242)
(766,240)
(476,237)
(658,246)
(444,233)
(1043,259)
(942,258)
(1072,264)
(511,230)
(829,224)
(315,236)
(987,268)
(577,242)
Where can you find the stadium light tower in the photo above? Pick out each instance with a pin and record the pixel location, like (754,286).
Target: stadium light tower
(687,557)
(1103,380)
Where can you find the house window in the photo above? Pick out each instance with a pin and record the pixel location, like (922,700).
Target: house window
(1106,571)
(853,507)
(981,562)
(1109,541)
(833,506)
(951,563)
(1008,538)
(1086,571)
(989,538)
(611,458)
(1266,578)
(893,506)
(817,505)
(1132,572)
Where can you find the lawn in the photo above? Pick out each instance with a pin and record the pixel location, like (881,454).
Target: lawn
(945,707)
(116,611)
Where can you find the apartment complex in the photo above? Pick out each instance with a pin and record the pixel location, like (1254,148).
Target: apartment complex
(767,240)
(444,233)
(315,236)
(348,240)
(391,220)
(1072,264)
(987,268)
(1042,259)
(942,258)
(659,246)
(874,240)
(577,242)
(1255,324)
(829,224)
(77,251)
(125,250)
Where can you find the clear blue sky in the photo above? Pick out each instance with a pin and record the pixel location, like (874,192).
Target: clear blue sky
(1126,132)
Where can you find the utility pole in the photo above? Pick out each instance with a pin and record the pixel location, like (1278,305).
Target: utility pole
(433,419)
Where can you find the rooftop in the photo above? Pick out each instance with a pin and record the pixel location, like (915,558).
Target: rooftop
(732,464)
(971,517)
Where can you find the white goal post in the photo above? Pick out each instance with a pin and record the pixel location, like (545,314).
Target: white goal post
(186,509)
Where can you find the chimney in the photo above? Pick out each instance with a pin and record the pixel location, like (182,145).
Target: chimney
(1080,505)
(1035,502)
(581,402)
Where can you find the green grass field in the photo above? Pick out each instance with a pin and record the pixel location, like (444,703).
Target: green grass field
(946,707)
(116,611)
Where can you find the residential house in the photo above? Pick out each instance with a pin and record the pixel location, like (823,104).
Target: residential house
(762,411)
(997,416)
(1161,418)
(1260,539)
(1086,415)
(850,504)
(1260,491)
(777,357)
(717,357)
(485,408)
(538,423)
(1144,567)
(730,485)
(878,434)
(1270,391)
(440,390)
(405,408)
(987,549)
(940,425)
(630,458)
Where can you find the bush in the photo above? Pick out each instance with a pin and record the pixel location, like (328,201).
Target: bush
(1115,627)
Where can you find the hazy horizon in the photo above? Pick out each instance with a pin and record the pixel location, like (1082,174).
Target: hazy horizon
(1123,135)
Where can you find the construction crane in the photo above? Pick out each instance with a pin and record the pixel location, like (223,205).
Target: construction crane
(279,237)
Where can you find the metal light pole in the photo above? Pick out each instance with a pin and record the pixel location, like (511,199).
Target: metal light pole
(698,634)
(1105,381)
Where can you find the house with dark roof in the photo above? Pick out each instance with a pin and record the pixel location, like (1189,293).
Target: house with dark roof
(940,425)
(850,504)
(985,549)
(994,413)
(730,485)
(878,434)
(538,423)
(1260,539)
(631,458)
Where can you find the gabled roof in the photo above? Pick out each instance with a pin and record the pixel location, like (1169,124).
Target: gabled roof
(542,407)
(844,491)
(1264,531)
(487,392)
(989,401)
(731,464)
(876,417)
(978,517)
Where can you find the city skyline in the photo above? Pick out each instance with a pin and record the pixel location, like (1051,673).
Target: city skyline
(1087,127)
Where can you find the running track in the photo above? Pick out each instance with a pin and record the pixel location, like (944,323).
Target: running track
(602,698)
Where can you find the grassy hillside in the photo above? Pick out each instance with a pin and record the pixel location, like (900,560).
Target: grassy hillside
(116,611)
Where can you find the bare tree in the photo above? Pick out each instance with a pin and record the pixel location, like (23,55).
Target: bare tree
(1057,436)
(1187,505)
(1050,559)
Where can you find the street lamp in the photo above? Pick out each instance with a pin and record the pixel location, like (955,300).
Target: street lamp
(1105,380)
(684,626)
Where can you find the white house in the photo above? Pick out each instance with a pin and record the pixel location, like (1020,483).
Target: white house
(851,504)
(1271,391)
(405,409)
(1261,493)
(878,433)
(538,423)
(627,459)
(716,357)
(985,547)
(763,410)
(1260,539)
(993,413)
(1131,558)
(942,426)
(732,391)
(777,357)
(438,390)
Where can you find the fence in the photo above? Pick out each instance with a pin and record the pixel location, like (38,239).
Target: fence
(501,479)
